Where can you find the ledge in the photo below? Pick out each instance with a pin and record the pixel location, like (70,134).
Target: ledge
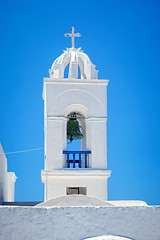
(85,172)
(76,81)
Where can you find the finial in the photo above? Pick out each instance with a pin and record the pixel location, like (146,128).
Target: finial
(72,35)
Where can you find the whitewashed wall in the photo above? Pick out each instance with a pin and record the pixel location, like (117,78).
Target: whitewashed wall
(77,223)
(7,180)
(3,176)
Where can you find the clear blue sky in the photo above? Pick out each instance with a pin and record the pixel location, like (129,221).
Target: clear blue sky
(122,39)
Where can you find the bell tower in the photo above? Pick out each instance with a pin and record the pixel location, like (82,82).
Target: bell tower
(75,108)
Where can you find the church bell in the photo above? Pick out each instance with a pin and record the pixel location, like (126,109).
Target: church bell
(73,129)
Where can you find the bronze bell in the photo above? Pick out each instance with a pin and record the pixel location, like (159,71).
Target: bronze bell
(73,129)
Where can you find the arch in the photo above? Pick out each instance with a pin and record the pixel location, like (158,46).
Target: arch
(108,237)
(77,108)
(66,61)
(83,114)
(66,71)
(87,69)
(83,63)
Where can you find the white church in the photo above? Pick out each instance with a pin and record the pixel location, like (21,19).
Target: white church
(76,205)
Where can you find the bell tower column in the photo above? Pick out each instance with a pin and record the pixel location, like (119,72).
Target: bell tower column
(55,133)
(97,141)
(83,100)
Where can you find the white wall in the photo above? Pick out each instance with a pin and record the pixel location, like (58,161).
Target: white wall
(11,179)
(75,223)
(3,175)
(88,97)
(7,180)
(56,184)
(61,94)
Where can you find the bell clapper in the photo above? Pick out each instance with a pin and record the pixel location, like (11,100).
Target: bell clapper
(71,138)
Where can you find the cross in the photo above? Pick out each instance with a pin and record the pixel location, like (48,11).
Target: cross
(72,35)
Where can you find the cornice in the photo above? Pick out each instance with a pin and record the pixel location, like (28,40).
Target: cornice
(76,81)
(77,172)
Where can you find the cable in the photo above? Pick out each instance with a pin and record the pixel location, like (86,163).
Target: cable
(29,150)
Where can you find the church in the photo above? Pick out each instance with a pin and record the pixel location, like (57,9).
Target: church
(75,175)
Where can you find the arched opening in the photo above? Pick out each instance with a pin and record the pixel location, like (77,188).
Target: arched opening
(66,71)
(76,152)
(76,132)
(78,69)
(79,72)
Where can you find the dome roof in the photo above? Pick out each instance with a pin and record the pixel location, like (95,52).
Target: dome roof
(76,57)
(74,200)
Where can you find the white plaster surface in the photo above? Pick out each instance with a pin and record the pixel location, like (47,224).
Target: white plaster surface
(57,181)
(109,237)
(88,97)
(3,176)
(77,223)
(11,179)
(7,179)
(128,203)
(74,200)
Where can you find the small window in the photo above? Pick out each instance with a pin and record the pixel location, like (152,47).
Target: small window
(76,190)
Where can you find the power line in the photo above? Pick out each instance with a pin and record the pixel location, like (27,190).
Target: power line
(28,150)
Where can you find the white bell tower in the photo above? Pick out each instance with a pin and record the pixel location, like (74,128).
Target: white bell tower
(79,172)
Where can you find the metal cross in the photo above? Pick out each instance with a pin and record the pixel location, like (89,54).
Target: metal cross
(72,35)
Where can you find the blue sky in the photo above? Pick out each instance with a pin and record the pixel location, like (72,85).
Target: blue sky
(122,39)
